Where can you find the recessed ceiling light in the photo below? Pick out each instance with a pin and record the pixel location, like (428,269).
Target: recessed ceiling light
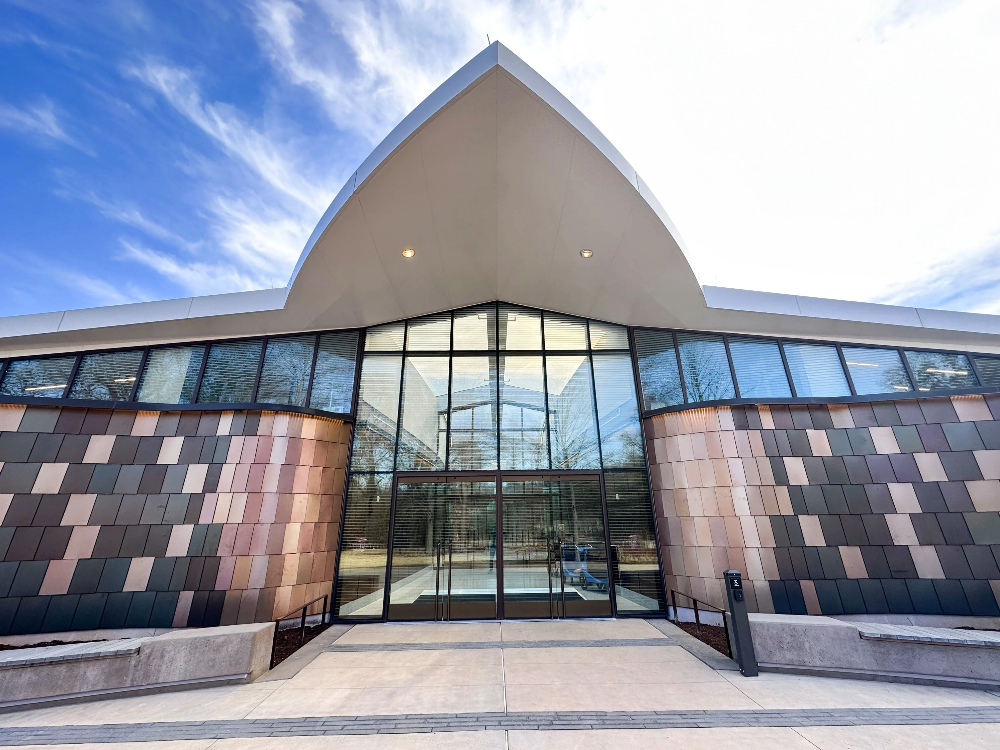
(586,253)
(409,252)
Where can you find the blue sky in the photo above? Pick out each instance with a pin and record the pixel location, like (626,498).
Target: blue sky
(151,150)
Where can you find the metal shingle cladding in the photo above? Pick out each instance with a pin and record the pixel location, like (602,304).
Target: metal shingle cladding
(882,507)
(158,519)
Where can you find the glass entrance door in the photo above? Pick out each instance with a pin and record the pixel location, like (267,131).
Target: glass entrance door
(555,561)
(551,560)
(444,545)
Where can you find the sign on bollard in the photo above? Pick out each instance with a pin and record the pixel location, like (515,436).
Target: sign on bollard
(742,641)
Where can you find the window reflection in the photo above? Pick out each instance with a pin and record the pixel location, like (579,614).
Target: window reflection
(424,426)
(361,571)
(658,373)
(876,370)
(523,441)
(284,379)
(333,380)
(432,333)
(934,370)
(519,328)
(107,377)
(617,411)
(476,328)
(816,370)
(572,427)
(562,332)
(473,414)
(378,409)
(171,375)
(40,378)
(230,373)
(706,367)
(759,369)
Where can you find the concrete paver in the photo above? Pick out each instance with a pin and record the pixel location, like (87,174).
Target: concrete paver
(947,737)
(771,690)
(553,678)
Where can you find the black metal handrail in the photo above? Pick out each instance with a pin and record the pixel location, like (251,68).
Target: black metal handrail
(302,627)
(697,617)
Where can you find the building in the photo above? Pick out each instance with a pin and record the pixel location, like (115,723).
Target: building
(494,388)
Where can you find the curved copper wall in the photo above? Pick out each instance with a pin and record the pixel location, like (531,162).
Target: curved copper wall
(118,519)
(863,508)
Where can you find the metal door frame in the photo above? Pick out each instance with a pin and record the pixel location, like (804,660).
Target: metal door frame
(498,478)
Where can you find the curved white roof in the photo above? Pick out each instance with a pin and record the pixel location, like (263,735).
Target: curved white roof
(498,182)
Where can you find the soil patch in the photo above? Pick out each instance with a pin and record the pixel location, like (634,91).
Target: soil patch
(711,635)
(8,647)
(287,642)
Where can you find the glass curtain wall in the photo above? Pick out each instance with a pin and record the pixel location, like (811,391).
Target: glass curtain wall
(493,388)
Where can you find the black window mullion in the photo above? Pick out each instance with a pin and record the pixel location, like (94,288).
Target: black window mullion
(969,356)
(680,366)
(201,374)
(3,369)
(447,416)
(357,374)
(545,390)
(732,368)
(597,416)
(907,369)
(134,393)
(72,375)
(788,370)
(847,370)
(312,371)
(260,367)
(496,360)
(645,458)
(399,422)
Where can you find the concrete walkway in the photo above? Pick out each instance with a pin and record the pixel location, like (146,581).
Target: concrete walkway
(577,684)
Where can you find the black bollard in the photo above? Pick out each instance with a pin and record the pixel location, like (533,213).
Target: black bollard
(742,640)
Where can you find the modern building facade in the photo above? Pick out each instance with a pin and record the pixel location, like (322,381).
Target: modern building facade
(494,388)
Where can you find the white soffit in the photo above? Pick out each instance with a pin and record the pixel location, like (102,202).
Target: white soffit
(498,182)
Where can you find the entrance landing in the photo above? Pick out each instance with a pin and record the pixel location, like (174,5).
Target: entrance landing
(584,684)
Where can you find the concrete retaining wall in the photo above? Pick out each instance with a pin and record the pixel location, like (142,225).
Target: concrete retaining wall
(176,660)
(825,646)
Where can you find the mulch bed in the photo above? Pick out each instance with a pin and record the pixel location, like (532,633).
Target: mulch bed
(711,635)
(287,642)
(7,647)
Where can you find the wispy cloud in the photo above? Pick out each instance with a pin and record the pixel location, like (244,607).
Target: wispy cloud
(99,291)
(226,125)
(966,281)
(197,277)
(71,188)
(31,277)
(370,64)
(39,119)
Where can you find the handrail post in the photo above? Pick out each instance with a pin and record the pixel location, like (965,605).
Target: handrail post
(697,620)
(437,581)
(725,627)
(302,628)
(562,580)
(274,642)
(548,567)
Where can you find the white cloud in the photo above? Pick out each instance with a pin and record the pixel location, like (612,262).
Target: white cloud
(197,277)
(226,125)
(370,64)
(840,150)
(99,291)
(39,119)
